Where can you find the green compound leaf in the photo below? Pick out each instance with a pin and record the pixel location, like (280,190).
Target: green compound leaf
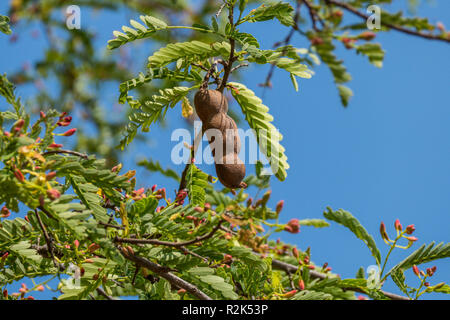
(190,50)
(259,119)
(348,220)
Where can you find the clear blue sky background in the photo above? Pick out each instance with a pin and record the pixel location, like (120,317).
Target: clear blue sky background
(385,157)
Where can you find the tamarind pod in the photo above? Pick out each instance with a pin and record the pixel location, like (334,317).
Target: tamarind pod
(208,103)
(223,128)
(231,171)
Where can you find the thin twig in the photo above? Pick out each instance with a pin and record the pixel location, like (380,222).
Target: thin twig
(220,9)
(239,66)
(108,225)
(289,268)
(229,64)
(285,43)
(313,15)
(102,292)
(167,243)
(47,238)
(187,251)
(387,24)
(164,273)
(78,154)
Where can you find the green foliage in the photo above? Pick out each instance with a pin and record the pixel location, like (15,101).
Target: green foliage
(281,11)
(4,25)
(425,253)
(196,182)
(152,166)
(150,110)
(268,137)
(373,51)
(188,52)
(138,31)
(349,221)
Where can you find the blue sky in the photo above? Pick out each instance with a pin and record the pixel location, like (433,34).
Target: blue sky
(384,157)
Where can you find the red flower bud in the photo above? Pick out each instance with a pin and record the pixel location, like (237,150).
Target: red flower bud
(367,35)
(411,239)
(290,294)
(19,175)
(69,132)
(431,271)
(398,225)
(153,188)
(53,194)
(383,232)
(93,247)
(5,213)
(130,250)
(42,114)
(295,252)
(426,284)
(293,226)
(18,125)
(227,258)
(301,284)
(55,146)
(76,243)
(316,41)
(266,197)
(279,206)
(5,293)
(40,288)
(416,270)
(410,229)
(50,175)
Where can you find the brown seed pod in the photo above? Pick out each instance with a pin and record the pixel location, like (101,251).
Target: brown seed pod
(208,103)
(222,127)
(231,171)
(212,107)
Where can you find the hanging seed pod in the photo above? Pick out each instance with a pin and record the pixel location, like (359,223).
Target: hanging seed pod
(221,131)
(208,103)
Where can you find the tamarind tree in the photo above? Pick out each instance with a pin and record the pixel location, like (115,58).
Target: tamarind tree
(78,216)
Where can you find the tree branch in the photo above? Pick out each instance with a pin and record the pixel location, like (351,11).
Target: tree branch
(389,25)
(285,43)
(167,243)
(102,292)
(164,273)
(289,268)
(74,153)
(229,64)
(47,238)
